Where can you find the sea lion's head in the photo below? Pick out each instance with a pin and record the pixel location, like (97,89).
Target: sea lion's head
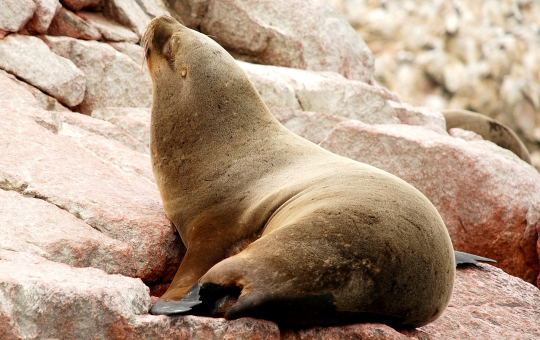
(184,62)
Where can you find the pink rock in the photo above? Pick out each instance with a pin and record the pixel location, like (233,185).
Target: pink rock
(112,78)
(135,121)
(312,126)
(134,51)
(487,196)
(419,115)
(127,13)
(13,94)
(32,61)
(280,33)
(193,327)
(67,23)
(34,226)
(44,300)
(111,152)
(324,92)
(43,16)
(45,101)
(15,14)
(487,303)
(77,5)
(151,8)
(369,331)
(110,30)
(105,129)
(36,162)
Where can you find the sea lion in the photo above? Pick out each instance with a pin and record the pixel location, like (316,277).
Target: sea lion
(290,231)
(489,128)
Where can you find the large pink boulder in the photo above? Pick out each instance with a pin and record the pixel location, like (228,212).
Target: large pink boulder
(15,14)
(308,35)
(31,60)
(123,205)
(487,196)
(112,78)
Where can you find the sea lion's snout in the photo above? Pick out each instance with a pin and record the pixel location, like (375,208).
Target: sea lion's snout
(158,34)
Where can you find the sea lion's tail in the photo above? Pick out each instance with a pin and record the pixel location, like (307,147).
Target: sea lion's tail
(463,259)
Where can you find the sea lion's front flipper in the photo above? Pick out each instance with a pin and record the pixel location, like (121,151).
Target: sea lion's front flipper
(191,299)
(466,258)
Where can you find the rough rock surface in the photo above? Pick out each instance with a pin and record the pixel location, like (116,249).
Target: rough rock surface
(43,299)
(34,226)
(77,5)
(123,205)
(263,32)
(67,23)
(15,14)
(135,121)
(44,14)
(109,30)
(127,13)
(487,196)
(31,60)
(126,84)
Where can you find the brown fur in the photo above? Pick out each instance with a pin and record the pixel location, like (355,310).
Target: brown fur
(488,128)
(318,238)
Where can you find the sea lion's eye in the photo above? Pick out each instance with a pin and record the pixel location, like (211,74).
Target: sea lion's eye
(169,48)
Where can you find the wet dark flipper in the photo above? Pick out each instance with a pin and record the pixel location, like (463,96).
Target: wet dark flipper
(466,258)
(185,305)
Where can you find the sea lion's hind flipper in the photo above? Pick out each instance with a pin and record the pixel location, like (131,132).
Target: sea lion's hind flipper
(162,307)
(466,259)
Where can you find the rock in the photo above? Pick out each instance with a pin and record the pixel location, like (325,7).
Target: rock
(43,300)
(32,61)
(193,327)
(487,196)
(34,226)
(113,79)
(15,14)
(324,92)
(135,121)
(489,304)
(13,94)
(457,55)
(77,5)
(109,30)
(43,16)
(106,130)
(45,101)
(263,32)
(419,115)
(127,13)
(151,8)
(121,205)
(110,151)
(135,52)
(68,24)
(312,126)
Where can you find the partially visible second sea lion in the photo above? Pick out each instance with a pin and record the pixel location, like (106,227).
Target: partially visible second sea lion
(276,227)
(488,128)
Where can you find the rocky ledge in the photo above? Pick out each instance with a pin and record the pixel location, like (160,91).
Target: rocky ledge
(84,242)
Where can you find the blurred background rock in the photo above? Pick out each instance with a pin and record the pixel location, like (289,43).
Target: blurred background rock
(482,56)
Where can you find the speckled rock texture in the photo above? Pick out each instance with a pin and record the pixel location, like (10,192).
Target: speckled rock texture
(264,32)
(84,243)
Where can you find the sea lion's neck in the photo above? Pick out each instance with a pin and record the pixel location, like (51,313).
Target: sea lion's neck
(200,128)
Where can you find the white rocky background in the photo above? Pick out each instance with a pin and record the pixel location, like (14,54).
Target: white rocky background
(482,56)
(84,242)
